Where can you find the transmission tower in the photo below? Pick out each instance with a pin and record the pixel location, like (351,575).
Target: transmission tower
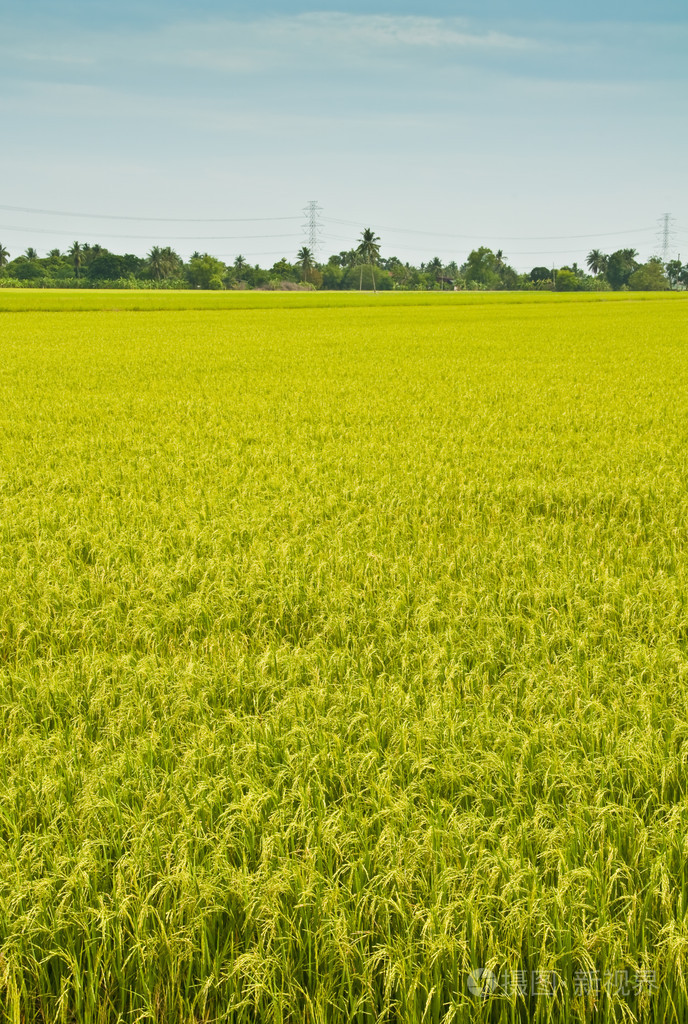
(666,235)
(313,225)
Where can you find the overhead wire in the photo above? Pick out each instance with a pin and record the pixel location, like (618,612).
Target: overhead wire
(333,220)
(506,238)
(295,236)
(171,238)
(165,220)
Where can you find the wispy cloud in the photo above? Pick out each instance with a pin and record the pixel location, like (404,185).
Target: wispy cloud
(331,39)
(327,44)
(240,46)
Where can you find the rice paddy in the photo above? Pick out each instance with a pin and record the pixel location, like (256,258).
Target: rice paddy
(343,658)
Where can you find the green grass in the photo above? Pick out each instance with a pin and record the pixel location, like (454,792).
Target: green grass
(343,651)
(64,300)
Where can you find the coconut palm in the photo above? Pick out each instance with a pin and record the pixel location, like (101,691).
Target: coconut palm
(155,263)
(76,254)
(172,262)
(4,256)
(304,260)
(596,262)
(163,263)
(434,267)
(31,253)
(368,251)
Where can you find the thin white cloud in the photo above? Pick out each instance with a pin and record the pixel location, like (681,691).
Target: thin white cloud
(255,45)
(331,44)
(244,47)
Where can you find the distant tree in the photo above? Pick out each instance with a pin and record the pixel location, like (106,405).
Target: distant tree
(380,280)
(509,277)
(566,280)
(240,264)
(539,274)
(91,252)
(650,277)
(283,270)
(435,270)
(305,262)
(347,258)
(25,269)
(206,272)
(256,277)
(133,265)
(368,252)
(332,274)
(620,266)
(673,272)
(55,262)
(451,269)
(164,263)
(596,262)
(106,267)
(76,254)
(399,272)
(480,268)
(94,251)
(4,256)
(155,262)
(31,253)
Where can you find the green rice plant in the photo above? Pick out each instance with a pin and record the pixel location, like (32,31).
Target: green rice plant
(343,658)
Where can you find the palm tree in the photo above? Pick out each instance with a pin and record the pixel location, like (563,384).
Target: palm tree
(434,267)
(164,263)
(155,262)
(77,256)
(4,256)
(596,262)
(368,251)
(31,253)
(304,260)
(172,262)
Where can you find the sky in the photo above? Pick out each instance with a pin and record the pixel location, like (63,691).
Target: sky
(542,129)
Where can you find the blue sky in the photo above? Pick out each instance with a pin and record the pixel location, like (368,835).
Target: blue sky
(532,127)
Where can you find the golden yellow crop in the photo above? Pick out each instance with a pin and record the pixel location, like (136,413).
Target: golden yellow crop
(343,658)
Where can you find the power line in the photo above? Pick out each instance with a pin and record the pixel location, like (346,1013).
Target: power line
(506,238)
(313,226)
(171,238)
(161,220)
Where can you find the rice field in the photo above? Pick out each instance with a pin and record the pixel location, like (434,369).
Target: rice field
(343,658)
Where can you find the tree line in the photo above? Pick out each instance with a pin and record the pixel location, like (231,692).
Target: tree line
(362,267)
